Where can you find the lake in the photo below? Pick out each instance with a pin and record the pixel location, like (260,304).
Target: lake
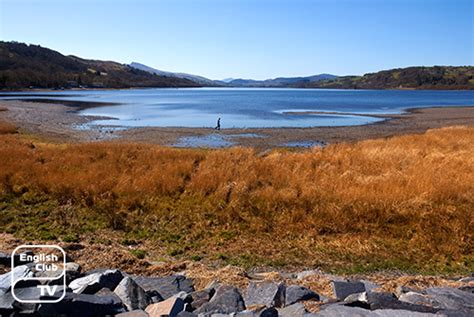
(247,107)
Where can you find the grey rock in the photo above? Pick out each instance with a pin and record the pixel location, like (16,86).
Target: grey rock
(304,274)
(107,293)
(73,271)
(373,301)
(154,297)
(419,299)
(18,272)
(295,310)
(9,303)
(226,300)
(467,279)
(469,289)
(131,294)
(270,294)
(370,286)
(260,311)
(80,305)
(404,289)
(133,313)
(247,313)
(269,312)
(199,298)
(295,293)
(73,267)
(342,289)
(6,259)
(170,307)
(336,310)
(93,282)
(184,296)
(186,314)
(167,286)
(452,298)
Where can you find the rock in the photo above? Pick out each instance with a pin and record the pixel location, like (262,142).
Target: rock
(258,311)
(452,298)
(269,312)
(337,310)
(342,289)
(154,297)
(404,289)
(466,279)
(169,307)
(419,299)
(133,313)
(93,282)
(304,274)
(107,292)
(6,259)
(73,271)
(296,293)
(9,303)
(226,300)
(468,288)
(295,310)
(184,296)
(199,298)
(165,286)
(370,286)
(18,272)
(270,294)
(186,314)
(131,294)
(80,305)
(373,301)
(247,313)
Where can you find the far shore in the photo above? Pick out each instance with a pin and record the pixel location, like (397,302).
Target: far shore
(54,121)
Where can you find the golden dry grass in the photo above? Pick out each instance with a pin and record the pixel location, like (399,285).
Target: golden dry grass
(401,203)
(7,128)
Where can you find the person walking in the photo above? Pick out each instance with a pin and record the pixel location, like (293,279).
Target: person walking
(218,126)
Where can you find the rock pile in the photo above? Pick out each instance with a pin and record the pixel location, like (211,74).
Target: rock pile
(109,292)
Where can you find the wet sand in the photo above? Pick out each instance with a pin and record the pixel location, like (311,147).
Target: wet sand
(61,123)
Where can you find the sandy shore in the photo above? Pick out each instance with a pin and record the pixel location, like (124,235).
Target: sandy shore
(59,123)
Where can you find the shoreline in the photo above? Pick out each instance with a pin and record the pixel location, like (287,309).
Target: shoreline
(58,121)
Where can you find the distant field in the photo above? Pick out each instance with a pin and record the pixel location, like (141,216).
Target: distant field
(402,203)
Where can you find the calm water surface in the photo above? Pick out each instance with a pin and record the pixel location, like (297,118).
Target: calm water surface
(249,108)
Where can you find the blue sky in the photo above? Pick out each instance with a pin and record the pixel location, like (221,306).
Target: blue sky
(250,38)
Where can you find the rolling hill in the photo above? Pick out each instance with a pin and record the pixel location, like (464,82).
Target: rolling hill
(280,81)
(436,77)
(23,66)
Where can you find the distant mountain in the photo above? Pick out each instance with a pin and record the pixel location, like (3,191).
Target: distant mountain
(436,77)
(280,81)
(23,66)
(227,80)
(202,81)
